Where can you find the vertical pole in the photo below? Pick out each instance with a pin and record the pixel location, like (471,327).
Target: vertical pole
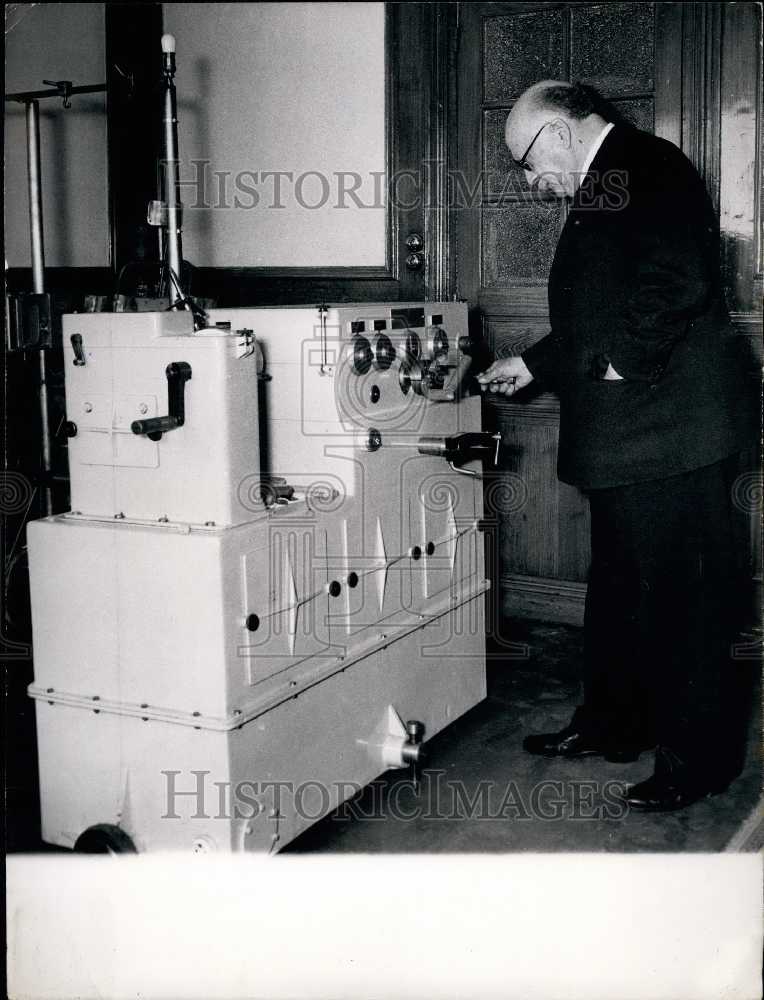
(174,246)
(38,281)
(35,196)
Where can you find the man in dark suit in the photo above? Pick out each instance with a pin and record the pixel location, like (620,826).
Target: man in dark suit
(656,402)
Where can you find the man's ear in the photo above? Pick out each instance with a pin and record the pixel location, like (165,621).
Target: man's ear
(561,131)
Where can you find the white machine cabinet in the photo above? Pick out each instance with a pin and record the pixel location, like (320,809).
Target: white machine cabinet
(270,586)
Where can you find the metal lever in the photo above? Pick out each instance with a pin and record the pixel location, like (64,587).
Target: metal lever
(178,373)
(79,352)
(460,448)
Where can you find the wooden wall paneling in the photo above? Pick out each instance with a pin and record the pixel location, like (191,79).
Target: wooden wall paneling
(529,509)
(668,71)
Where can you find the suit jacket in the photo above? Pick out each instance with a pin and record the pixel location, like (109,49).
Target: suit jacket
(635,282)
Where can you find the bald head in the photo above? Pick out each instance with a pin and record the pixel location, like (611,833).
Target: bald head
(550,129)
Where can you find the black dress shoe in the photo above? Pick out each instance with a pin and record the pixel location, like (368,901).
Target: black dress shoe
(571,742)
(674,785)
(659,795)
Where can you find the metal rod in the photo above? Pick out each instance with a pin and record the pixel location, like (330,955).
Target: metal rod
(174,243)
(35,196)
(38,280)
(38,95)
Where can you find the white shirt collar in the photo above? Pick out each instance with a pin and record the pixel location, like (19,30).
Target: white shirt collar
(594,149)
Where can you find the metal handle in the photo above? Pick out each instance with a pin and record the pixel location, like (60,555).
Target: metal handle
(178,373)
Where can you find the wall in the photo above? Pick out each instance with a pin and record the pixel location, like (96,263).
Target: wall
(293,87)
(58,41)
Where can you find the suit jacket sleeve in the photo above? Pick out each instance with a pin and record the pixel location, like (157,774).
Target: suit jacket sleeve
(542,358)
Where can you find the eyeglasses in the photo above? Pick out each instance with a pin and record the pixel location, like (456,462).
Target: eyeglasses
(522,162)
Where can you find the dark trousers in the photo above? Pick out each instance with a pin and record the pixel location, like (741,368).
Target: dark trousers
(661,609)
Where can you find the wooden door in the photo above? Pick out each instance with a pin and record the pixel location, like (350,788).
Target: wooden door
(506,242)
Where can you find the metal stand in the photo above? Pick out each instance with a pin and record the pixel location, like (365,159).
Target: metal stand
(29,320)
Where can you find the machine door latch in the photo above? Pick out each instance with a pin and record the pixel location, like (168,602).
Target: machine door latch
(178,373)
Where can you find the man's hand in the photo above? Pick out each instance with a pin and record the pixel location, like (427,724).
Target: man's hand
(506,376)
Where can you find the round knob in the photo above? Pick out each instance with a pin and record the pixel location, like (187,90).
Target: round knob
(362,355)
(384,352)
(414,261)
(252,623)
(414,242)
(374,440)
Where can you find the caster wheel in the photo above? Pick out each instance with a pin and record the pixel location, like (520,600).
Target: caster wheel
(103,838)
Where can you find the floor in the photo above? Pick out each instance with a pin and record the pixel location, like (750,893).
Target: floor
(479,791)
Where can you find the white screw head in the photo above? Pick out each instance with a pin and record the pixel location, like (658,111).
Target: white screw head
(143,408)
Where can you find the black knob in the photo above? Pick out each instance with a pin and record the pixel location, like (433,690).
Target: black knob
(430,548)
(70,429)
(335,588)
(416,552)
(374,394)
(352,580)
(362,355)
(253,623)
(374,440)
